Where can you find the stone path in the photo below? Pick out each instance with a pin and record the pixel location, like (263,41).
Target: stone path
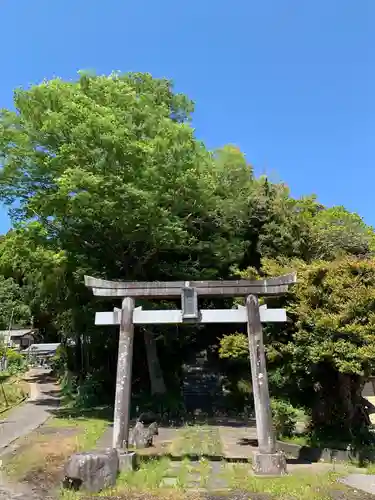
(197,475)
(165,436)
(364,482)
(239,443)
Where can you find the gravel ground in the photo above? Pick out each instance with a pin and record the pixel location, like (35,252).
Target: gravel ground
(19,493)
(23,494)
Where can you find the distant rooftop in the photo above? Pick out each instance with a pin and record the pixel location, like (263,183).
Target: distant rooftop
(41,348)
(17,332)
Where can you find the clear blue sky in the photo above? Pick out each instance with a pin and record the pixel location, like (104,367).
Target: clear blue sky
(291,82)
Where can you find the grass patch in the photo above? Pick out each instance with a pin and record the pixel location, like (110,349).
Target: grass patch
(40,457)
(88,430)
(149,476)
(299,439)
(151,482)
(204,470)
(12,391)
(197,441)
(145,483)
(299,485)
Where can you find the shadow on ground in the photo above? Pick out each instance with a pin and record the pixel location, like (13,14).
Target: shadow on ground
(99,413)
(50,402)
(41,378)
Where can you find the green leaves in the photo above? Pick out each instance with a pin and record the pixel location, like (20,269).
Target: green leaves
(333,308)
(13,309)
(305,229)
(234,346)
(110,167)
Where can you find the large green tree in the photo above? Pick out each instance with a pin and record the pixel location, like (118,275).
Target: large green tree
(111,169)
(326,352)
(13,308)
(305,229)
(104,176)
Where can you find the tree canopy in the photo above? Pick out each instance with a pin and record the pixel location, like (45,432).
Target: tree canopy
(109,166)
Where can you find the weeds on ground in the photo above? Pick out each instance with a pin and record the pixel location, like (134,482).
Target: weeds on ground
(12,392)
(40,456)
(299,485)
(204,470)
(88,430)
(149,476)
(148,483)
(183,474)
(197,440)
(298,439)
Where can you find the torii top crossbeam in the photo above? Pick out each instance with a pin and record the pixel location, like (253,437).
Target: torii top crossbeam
(172,289)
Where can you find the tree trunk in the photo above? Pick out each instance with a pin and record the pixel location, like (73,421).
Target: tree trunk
(339,408)
(347,395)
(156,374)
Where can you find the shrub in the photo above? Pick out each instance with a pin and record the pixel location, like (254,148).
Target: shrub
(234,346)
(90,391)
(16,362)
(68,385)
(11,394)
(244,387)
(59,361)
(284,417)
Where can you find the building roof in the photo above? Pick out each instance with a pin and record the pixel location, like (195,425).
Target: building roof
(41,348)
(19,332)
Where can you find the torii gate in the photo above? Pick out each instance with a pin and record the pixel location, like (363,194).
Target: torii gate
(267,460)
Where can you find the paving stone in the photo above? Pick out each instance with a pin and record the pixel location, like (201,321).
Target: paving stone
(217,480)
(176,465)
(364,482)
(238,496)
(217,483)
(169,481)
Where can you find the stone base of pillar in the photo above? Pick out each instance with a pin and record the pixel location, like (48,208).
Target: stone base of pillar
(269,464)
(127,461)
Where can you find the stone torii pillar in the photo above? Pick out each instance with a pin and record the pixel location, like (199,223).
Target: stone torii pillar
(267,460)
(124,376)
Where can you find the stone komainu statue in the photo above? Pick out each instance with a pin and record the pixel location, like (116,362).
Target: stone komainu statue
(142,436)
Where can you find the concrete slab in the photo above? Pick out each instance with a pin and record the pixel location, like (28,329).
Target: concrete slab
(238,442)
(364,482)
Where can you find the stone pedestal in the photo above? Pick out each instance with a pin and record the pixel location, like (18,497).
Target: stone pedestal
(127,461)
(269,464)
(92,471)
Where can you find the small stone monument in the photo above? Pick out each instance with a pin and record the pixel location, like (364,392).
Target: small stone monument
(141,436)
(92,471)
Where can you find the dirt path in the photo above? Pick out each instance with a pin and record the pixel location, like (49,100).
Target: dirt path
(29,416)
(24,419)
